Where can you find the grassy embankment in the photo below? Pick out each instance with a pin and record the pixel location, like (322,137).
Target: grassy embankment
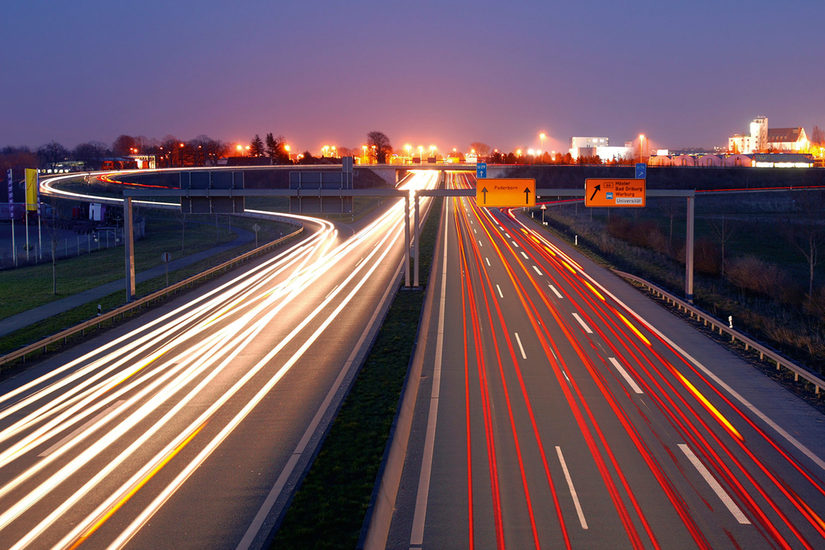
(29,287)
(761,278)
(328,509)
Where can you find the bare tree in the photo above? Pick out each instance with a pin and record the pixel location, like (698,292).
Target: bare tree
(123,145)
(724,231)
(91,154)
(380,146)
(481,149)
(818,136)
(806,233)
(51,154)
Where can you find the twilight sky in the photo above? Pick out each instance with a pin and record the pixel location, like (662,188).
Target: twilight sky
(445,73)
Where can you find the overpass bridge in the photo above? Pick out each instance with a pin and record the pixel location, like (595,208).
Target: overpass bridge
(393,173)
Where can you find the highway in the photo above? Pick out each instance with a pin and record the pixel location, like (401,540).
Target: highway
(189,426)
(557,410)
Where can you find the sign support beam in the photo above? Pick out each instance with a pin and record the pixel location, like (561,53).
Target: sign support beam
(129,245)
(415,241)
(407,240)
(689,251)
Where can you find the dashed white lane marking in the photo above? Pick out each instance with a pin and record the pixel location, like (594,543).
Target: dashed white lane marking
(720,492)
(573,493)
(587,329)
(520,347)
(538,270)
(63,441)
(499,291)
(630,382)
(556,292)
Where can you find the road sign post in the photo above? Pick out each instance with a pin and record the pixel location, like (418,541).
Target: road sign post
(166,258)
(506,192)
(607,192)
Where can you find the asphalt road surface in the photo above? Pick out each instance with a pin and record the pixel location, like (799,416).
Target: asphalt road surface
(559,408)
(188,427)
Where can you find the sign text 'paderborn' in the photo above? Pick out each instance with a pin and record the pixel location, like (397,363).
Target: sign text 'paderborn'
(506,192)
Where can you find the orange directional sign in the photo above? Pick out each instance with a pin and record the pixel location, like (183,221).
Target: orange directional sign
(506,192)
(613,192)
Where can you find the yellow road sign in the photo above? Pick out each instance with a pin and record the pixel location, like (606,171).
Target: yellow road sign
(614,192)
(506,192)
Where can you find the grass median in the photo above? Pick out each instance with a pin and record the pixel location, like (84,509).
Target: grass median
(333,498)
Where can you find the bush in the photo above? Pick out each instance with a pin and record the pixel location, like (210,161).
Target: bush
(751,274)
(706,257)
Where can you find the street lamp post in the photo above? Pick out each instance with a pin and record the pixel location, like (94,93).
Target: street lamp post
(541,142)
(641,147)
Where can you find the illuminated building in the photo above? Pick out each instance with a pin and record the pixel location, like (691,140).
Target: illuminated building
(764,139)
(791,140)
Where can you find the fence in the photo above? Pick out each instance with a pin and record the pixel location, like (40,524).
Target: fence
(65,246)
(720,326)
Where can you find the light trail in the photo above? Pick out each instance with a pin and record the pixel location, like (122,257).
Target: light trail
(127,397)
(692,432)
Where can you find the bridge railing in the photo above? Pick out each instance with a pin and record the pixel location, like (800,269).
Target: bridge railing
(720,326)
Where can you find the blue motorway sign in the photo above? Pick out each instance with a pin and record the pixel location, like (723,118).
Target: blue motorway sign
(641,171)
(481,170)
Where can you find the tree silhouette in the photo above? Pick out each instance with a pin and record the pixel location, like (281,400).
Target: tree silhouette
(380,145)
(256,147)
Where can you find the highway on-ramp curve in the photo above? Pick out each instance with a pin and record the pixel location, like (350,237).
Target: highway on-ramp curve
(559,408)
(188,426)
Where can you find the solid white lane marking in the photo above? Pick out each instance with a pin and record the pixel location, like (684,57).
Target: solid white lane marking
(486,259)
(538,270)
(520,347)
(720,492)
(573,494)
(526,257)
(556,292)
(423,494)
(80,430)
(583,324)
(500,295)
(627,378)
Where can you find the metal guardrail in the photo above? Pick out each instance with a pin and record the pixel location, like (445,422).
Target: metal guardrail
(717,324)
(81,327)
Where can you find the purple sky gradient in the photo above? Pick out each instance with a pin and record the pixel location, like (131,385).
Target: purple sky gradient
(445,73)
